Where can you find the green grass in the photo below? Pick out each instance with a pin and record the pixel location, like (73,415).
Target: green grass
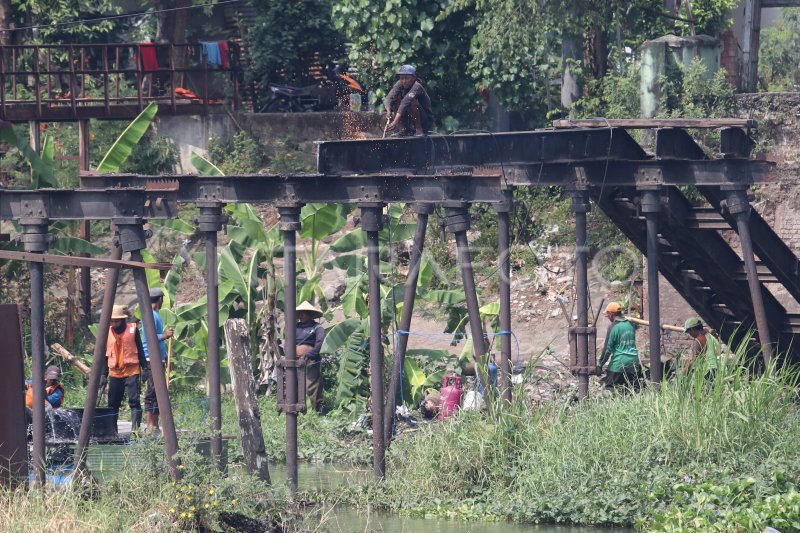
(143,498)
(615,461)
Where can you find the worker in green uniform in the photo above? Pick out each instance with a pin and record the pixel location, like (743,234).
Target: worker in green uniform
(706,349)
(620,351)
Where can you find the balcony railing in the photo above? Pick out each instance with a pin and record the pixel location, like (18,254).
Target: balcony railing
(73,82)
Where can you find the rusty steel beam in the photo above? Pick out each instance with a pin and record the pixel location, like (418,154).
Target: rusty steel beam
(75,261)
(86,204)
(509,149)
(13,442)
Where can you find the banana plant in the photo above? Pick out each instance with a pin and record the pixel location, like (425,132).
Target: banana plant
(128,139)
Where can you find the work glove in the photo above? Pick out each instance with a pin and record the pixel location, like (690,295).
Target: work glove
(599,370)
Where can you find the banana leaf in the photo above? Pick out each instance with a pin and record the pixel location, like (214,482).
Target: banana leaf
(123,146)
(321,220)
(73,245)
(41,172)
(444,297)
(48,151)
(204,166)
(336,337)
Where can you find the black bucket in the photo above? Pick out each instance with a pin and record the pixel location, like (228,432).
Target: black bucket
(66,423)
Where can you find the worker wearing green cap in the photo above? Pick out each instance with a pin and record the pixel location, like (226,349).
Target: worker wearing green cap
(706,349)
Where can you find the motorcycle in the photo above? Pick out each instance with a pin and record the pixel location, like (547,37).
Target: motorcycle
(334,92)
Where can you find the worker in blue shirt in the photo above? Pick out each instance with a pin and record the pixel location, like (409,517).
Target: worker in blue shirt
(150,402)
(54,391)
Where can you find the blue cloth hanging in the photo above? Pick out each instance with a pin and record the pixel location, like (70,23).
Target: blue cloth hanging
(211,51)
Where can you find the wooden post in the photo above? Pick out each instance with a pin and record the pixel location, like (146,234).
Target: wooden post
(64,354)
(237,341)
(750,42)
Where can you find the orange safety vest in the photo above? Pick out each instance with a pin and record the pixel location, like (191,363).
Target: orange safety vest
(130,354)
(47,392)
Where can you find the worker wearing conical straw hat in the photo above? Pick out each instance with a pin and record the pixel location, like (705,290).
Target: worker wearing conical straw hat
(309,339)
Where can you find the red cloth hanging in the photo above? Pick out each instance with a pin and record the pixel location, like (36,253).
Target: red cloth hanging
(223,55)
(149,57)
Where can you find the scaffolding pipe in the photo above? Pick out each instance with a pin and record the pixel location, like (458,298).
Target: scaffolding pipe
(422,210)
(504,268)
(98,363)
(457,221)
(738,205)
(290,224)
(580,206)
(157,368)
(651,206)
(371,215)
(210,221)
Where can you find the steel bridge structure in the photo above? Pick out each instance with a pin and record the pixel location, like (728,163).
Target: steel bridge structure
(640,192)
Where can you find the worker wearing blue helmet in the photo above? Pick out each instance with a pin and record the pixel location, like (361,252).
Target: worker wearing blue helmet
(413,114)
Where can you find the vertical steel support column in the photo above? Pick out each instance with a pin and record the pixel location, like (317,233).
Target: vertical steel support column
(36,239)
(90,402)
(651,206)
(210,221)
(738,205)
(132,239)
(457,221)
(290,225)
(85,279)
(422,210)
(504,269)
(580,206)
(372,222)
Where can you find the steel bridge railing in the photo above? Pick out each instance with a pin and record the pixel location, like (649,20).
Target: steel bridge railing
(36,79)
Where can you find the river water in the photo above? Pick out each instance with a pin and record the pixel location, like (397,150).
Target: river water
(345,519)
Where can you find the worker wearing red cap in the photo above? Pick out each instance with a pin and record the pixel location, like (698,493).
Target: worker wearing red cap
(620,351)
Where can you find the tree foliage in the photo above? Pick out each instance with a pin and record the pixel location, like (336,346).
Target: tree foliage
(290,35)
(385,35)
(516,48)
(779,64)
(47,13)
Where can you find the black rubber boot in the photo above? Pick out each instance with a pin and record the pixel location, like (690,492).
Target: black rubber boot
(136,421)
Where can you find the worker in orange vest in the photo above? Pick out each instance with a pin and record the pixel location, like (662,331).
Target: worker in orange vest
(54,392)
(125,359)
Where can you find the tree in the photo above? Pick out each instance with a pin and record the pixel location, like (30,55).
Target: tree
(385,35)
(288,37)
(520,46)
(45,14)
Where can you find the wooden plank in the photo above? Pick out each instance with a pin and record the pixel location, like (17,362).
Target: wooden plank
(69,260)
(237,341)
(668,327)
(646,123)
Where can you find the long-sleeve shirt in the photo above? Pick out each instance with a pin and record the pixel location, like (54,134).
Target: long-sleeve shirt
(312,334)
(620,346)
(54,393)
(399,98)
(162,344)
